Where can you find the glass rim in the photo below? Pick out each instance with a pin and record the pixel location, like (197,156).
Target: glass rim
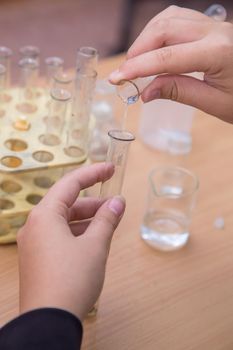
(28,63)
(5,51)
(33,50)
(63,78)
(185,171)
(88,51)
(60,94)
(54,61)
(121,135)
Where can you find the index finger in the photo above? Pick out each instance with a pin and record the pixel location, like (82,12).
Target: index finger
(176,59)
(64,193)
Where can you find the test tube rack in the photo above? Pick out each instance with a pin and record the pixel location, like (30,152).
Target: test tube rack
(27,166)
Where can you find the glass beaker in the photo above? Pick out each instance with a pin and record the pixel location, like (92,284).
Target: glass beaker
(87,58)
(56,118)
(170,202)
(120,141)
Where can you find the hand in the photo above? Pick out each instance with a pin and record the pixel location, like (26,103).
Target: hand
(64,245)
(179,41)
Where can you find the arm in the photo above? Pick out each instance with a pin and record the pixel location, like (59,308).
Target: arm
(180,41)
(47,329)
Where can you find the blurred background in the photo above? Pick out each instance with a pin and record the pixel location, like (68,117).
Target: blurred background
(59,27)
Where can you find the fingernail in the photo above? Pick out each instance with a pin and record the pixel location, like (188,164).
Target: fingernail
(116,76)
(151,95)
(117,205)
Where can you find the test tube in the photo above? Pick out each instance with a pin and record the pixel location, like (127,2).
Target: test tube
(54,66)
(27,93)
(56,117)
(130,90)
(78,132)
(2,88)
(120,141)
(30,51)
(87,58)
(5,60)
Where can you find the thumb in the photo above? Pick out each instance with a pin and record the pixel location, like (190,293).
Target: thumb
(187,90)
(107,219)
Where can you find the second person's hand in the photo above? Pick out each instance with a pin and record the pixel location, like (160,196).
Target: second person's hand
(180,41)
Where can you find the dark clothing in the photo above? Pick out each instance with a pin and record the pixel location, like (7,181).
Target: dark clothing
(42,329)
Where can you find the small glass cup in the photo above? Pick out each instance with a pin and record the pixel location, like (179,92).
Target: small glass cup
(171,200)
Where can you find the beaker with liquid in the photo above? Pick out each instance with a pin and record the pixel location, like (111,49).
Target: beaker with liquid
(170,203)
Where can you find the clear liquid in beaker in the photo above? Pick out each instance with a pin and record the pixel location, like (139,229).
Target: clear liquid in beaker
(165,230)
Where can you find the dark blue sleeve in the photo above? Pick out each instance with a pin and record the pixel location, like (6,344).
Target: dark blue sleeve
(42,329)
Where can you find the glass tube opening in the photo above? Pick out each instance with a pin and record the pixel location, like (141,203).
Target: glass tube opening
(121,135)
(5,52)
(88,51)
(30,51)
(87,58)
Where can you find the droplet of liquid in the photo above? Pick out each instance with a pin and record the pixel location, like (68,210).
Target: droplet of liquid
(132,99)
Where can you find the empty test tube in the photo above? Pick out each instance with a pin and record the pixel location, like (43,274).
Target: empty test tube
(54,66)
(56,117)
(78,131)
(2,88)
(29,69)
(120,141)
(87,58)
(5,60)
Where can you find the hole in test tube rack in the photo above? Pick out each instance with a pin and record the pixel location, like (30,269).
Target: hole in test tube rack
(11,162)
(49,140)
(2,113)
(4,228)
(9,186)
(43,156)
(33,198)
(16,145)
(74,152)
(5,98)
(5,204)
(43,182)
(26,108)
